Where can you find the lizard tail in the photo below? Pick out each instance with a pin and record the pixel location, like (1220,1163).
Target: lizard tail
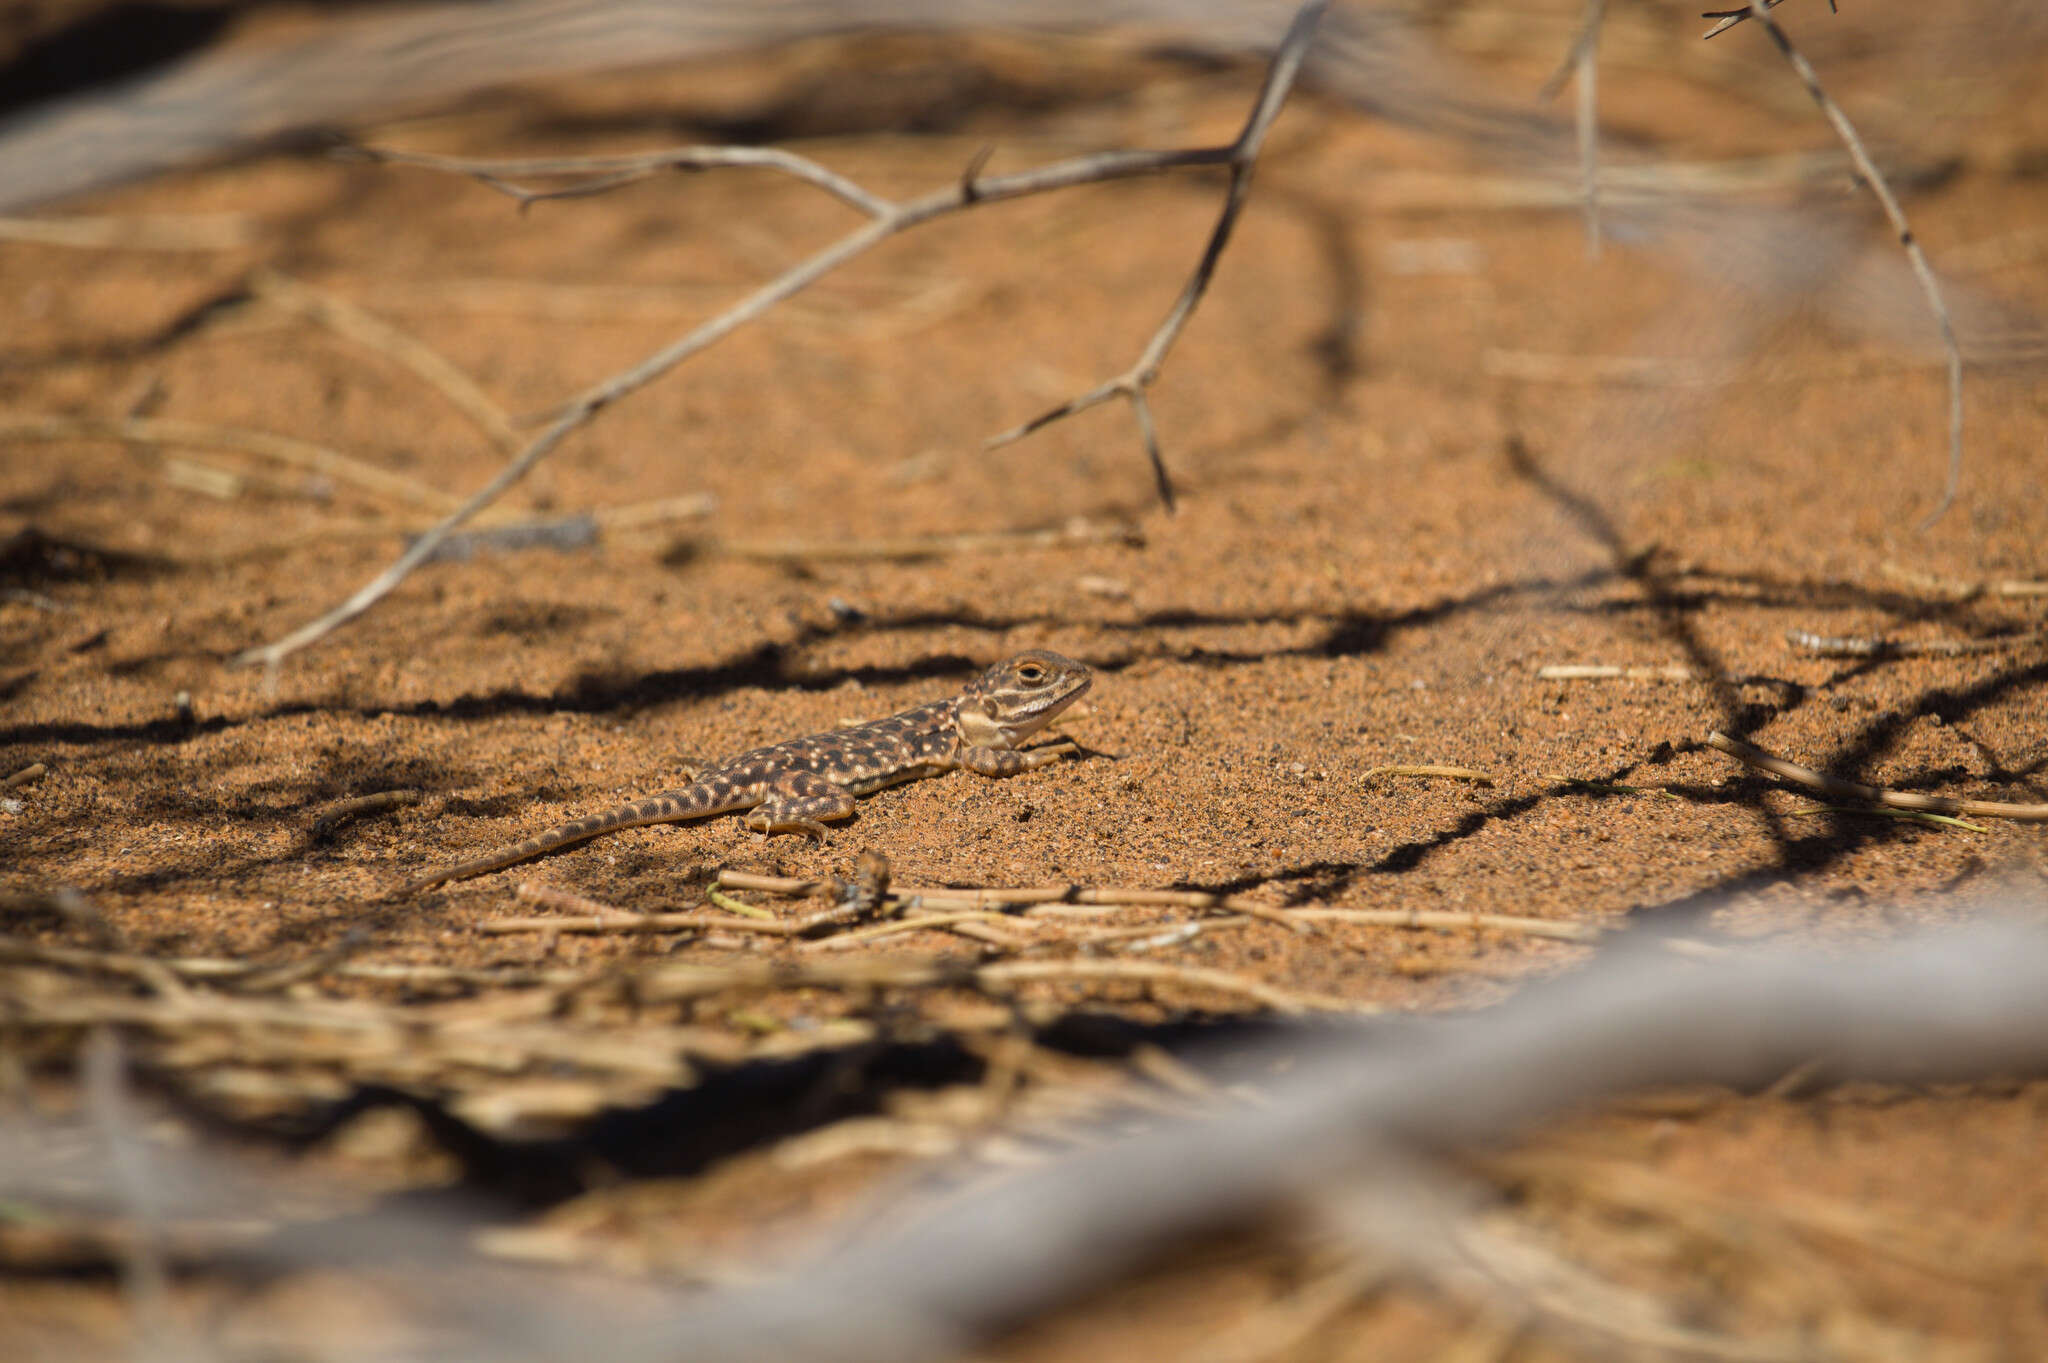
(654,809)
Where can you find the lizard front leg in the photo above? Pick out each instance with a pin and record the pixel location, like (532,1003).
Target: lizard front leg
(799,802)
(1009,762)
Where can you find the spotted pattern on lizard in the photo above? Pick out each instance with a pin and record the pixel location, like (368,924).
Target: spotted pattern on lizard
(794,787)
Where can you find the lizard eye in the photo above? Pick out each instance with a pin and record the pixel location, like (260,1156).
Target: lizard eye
(1031,674)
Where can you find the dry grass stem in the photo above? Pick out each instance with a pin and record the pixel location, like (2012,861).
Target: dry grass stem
(1282,1329)
(1609,672)
(614,922)
(1028,897)
(1961,589)
(547,895)
(145,1275)
(1663,371)
(1753,756)
(1009,906)
(1472,774)
(280,449)
(598,174)
(28,775)
(1452,920)
(1958,1251)
(736,906)
(168,975)
(788,885)
(1535,1277)
(1941,1006)
(1582,64)
(147,971)
(347,320)
(886,219)
(863,936)
(640,515)
(681,981)
(1435,191)
(1870,646)
(976,929)
(1284,1001)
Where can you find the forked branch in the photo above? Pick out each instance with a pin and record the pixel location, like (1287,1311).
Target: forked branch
(1242,155)
(886,218)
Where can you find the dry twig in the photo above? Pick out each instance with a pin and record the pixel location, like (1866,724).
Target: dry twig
(1582,66)
(1871,646)
(535,893)
(1241,155)
(886,219)
(1612,672)
(144,1274)
(1729,18)
(1753,756)
(1760,10)
(1949,1007)
(897,926)
(1452,919)
(1936,1007)
(34,771)
(1475,776)
(1028,897)
(1960,589)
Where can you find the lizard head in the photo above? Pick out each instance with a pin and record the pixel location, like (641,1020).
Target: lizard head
(1019,696)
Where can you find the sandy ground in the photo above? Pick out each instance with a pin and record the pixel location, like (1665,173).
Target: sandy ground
(1413,476)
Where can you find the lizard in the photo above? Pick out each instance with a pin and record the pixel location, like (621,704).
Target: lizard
(794,786)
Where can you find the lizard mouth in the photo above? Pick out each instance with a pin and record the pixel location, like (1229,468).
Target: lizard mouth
(1038,718)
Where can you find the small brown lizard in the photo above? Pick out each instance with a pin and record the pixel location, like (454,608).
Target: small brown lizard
(794,787)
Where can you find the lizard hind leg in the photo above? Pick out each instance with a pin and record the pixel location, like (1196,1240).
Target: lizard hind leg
(800,802)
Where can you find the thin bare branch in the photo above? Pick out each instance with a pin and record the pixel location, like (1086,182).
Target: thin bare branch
(1586,117)
(1472,774)
(145,1277)
(1729,18)
(1952,1006)
(1760,10)
(888,219)
(1960,589)
(1614,671)
(597,174)
(34,771)
(1870,646)
(1582,64)
(1241,156)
